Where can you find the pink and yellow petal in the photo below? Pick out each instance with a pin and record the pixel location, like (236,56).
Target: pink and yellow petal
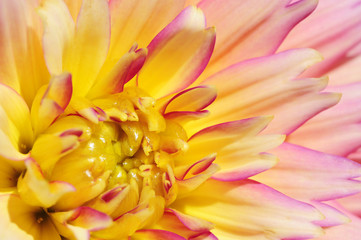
(35,190)
(249,210)
(254,33)
(155,234)
(178,54)
(21,221)
(244,81)
(50,102)
(113,77)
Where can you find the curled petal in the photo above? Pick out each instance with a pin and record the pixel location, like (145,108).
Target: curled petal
(179,53)
(35,190)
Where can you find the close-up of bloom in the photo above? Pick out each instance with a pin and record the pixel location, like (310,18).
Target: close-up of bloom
(180,119)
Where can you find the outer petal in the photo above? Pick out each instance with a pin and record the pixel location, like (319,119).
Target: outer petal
(334,29)
(138,21)
(16,134)
(21,59)
(250,210)
(336,130)
(90,45)
(258,31)
(178,54)
(244,91)
(21,221)
(349,230)
(315,177)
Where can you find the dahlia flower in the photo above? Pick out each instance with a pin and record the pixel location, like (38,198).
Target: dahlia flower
(126,119)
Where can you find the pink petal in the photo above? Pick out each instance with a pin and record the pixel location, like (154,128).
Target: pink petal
(179,53)
(258,31)
(315,175)
(336,130)
(334,30)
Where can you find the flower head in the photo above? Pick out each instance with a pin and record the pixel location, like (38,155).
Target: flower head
(117,121)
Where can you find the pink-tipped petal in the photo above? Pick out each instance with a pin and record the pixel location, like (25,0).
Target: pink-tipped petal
(51,102)
(249,210)
(184,117)
(112,80)
(192,100)
(178,54)
(256,32)
(218,137)
(244,91)
(35,190)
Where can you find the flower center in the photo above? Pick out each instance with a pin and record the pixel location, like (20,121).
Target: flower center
(134,146)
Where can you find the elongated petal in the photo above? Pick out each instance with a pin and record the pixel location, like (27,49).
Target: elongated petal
(22,65)
(244,91)
(315,175)
(336,130)
(336,35)
(21,221)
(250,210)
(138,21)
(349,230)
(16,133)
(178,54)
(90,45)
(256,32)
(58,33)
